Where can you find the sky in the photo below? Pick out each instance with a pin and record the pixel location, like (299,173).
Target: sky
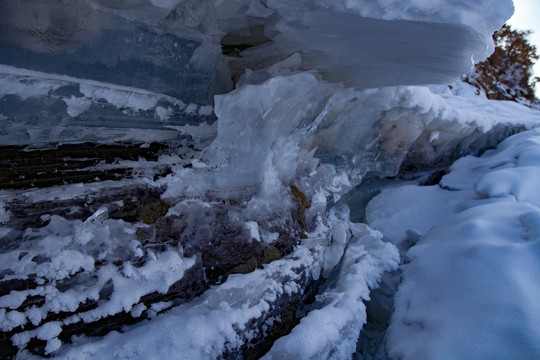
(527,17)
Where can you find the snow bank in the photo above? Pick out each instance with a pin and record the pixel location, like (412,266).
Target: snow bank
(469,288)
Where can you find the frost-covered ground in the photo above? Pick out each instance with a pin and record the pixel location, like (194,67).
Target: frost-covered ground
(232,136)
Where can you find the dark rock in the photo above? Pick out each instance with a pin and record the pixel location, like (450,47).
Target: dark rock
(270,254)
(7,286)
(303,204)
(7,349)
(153,211)
(37,346)
(35,300)
(69,163)
(246,268)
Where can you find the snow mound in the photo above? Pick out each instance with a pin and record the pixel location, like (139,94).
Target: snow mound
(470,290)
(469,287)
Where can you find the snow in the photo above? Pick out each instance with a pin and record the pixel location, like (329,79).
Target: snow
(206,110)
(255,124)
(332,330)
(70,247)
(29,83)
(209,323)
(469,288)
(48,332)
(343,91)
(11,319)
(164,114)
(253,230)
(396,222)
(219,320)
(478,299)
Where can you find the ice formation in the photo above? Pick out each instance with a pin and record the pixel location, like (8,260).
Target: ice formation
(196,158)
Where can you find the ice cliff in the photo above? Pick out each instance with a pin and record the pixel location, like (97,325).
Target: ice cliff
(177,172)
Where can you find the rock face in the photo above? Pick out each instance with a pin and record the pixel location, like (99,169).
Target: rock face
(189,157)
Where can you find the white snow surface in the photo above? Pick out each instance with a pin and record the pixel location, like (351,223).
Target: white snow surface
(469,289)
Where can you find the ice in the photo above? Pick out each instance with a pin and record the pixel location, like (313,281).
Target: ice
(163,114)
(4,214)
(325,36)
(206,110)
(73,109)
(270,112)
(175,48)
(86,231)
(79,39)
(26,87)
(261,120)
(338,49)
(336,249)
(253,230)
(440,11)
(355,131)
(132,100)
(76,106)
